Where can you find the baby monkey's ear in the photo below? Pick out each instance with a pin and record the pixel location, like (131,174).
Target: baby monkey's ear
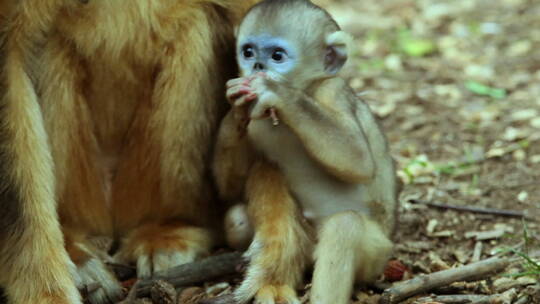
(337,50)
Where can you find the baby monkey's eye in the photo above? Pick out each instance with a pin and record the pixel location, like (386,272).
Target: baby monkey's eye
(247,51)
(278,54)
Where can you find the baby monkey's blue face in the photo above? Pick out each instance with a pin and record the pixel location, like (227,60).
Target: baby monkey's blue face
(265,53)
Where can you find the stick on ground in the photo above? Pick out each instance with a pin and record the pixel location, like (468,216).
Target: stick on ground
(492,211)
(192,273)
(506,297)
(423,283)
(456,299)
(132,294)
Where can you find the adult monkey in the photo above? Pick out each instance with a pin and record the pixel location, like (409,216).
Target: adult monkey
(108,113)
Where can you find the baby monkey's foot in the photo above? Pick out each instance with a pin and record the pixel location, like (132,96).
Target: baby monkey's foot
(274,294)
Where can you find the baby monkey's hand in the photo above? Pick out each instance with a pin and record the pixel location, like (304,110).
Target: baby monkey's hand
(240,95)
(267,101)
(241,92)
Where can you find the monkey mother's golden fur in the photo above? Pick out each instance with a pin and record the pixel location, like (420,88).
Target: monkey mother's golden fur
(306,154)
(109,111)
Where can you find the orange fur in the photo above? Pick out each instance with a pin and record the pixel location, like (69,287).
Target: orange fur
(281,246)
(77,254)
(33,243)
(109,113)
(232,160)
(147,243)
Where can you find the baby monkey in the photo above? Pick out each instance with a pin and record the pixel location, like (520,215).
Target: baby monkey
(308,157)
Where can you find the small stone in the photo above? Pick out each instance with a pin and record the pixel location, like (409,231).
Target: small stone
(519,155)
(535,159)
(522,196)
(393,62)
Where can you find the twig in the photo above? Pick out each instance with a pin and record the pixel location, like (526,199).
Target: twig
(492,211)
(523,300)
(457,299)
(192,273)
(505,297)
(132,294)
(477,253)
(423,283)
(226,299)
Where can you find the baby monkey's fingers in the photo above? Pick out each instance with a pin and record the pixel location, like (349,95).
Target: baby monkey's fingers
(240,81)
(237,92)
(241,108)
(235,82)
(245,99)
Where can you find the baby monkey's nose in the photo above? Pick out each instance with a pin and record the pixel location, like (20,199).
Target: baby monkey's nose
(258,66)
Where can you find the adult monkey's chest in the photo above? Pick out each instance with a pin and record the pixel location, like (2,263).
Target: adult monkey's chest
(119,47)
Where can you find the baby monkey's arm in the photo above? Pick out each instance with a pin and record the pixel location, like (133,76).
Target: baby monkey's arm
(325,123)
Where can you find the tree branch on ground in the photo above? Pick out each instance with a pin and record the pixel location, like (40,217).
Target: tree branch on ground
(424,283)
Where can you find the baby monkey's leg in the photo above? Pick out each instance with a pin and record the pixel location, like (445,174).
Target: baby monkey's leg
(350,246)
(281,246)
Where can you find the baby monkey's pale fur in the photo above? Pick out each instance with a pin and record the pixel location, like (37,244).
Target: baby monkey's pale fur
(319,181)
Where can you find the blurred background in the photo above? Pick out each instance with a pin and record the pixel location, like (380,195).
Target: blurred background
(456,85)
